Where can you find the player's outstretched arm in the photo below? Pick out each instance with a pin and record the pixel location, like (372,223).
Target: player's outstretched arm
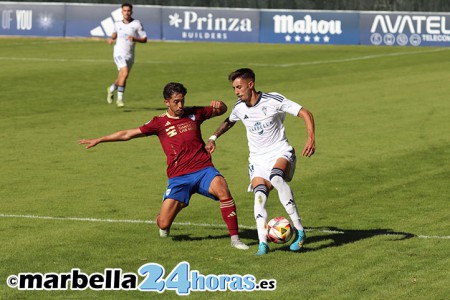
(123,135)
(219,108)
(224,127)
(310,146)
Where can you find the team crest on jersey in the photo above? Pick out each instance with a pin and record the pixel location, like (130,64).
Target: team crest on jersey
(264,110)
(192,117)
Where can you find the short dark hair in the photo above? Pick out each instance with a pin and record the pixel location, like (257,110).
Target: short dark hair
(173,88)
(127,4)
(244,73)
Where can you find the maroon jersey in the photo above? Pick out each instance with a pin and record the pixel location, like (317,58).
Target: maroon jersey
(181,140)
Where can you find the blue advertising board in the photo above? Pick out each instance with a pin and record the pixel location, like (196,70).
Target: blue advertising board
(307,27)
(87,20)
(405,29)
(28,19)
(210,25)
(229,25)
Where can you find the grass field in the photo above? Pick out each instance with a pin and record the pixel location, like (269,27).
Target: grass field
(374,197)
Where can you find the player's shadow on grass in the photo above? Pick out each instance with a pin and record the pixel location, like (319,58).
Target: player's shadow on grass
(334,237)
(316,238)
(243,234)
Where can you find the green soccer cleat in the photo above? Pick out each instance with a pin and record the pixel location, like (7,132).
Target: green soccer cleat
(109,96)
(299,239)
(262,249)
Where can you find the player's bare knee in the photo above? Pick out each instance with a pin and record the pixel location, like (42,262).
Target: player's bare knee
(219,188)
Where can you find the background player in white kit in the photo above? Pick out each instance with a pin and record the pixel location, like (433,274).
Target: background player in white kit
(272,159)
(126,33)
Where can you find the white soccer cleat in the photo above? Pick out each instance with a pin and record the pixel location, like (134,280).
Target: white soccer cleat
(164,233)
(109,96)
(239,245)
(120,103)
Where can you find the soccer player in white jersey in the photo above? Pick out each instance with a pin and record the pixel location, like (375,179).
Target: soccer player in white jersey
(272,159)
(126,33)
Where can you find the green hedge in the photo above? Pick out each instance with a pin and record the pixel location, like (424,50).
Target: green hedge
(380,5)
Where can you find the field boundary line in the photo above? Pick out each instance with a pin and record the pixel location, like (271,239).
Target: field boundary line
(306,63)
(351,59)
(184,224)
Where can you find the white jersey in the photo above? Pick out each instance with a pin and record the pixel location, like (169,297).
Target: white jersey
(264,123)
(124,47)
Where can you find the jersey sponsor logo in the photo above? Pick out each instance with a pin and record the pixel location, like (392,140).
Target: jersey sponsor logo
(186,126)
(259,127)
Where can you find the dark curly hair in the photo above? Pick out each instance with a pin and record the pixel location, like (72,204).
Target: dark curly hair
(173,88)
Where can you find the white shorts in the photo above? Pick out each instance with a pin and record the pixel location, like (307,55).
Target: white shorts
(261,166)
(123,61)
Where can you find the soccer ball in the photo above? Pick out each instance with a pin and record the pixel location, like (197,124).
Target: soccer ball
(279,230)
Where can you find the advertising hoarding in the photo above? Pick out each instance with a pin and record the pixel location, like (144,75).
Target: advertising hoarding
(230,25)
(98,20)
(28,19)
(405,29)
(210,25)
(307,27)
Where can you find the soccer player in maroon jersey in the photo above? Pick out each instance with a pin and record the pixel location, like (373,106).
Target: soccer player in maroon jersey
(189,166)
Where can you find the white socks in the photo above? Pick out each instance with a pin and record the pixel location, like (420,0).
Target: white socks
(286,197)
